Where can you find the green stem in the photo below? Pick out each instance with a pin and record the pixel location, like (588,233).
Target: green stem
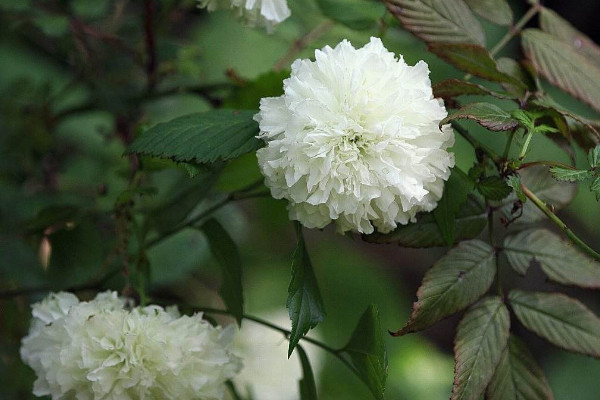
(516,29)
(549,164)
(476,143)
(558,222)
(511,136)
(523,152)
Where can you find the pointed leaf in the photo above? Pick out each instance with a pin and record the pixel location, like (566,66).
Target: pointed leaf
(456,190)
(514,181)
(518,376)
(485,114)
(496,11)
(569,175)
(455,87)
(563,321)
(367,351)
(307,385)
(481,337)
(595,188)
(561,261)
(493,188)
(304,301)
(594,157)
(456,281)
(438,20)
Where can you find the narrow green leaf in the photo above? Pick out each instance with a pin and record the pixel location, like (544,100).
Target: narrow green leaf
(496,11)
(359,15)
(493,188)
(594,157)
(485,114)
(514,181)
(438,20)
(455,281)
(455,87)
(469,221)
(561,261)
(569,175)
(456,190)
(367,351)
(226,253)
(595,188)
(518,376)
(592,127)
(563,321)
(304,301)
(202,138)
(563,66)
(307,385)
(481,337)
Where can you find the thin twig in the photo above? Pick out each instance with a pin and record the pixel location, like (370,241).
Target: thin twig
(516,29)
(150,44)
(548,164)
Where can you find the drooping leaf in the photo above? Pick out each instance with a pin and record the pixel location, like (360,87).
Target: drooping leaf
(594,157)
(226,253)
(307,385)
(362,14)
(595,188)
(591,126)
(438,20)
(518,376)
(496,11)
(485,114)
(481,338)
(455,281)
(202,138)
(563,321)
(558,259)
(569,175)
(512,68)
(367,352)
(456,190)
(493,188)
(304,301)
(455,87)
(469,221)
(563,66)
(473,59)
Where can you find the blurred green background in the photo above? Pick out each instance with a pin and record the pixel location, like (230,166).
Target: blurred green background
(72,96)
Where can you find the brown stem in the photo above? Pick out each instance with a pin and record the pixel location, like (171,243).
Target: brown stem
(150,44)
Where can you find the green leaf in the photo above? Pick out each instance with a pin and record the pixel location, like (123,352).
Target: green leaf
(226,253)
(563,66)
(355,14)
(248,96)
(202,138)
(455,282)
(456,190)
(485,114)
(438,20)
(512,68)
(592,127)
(304,301)
(367,351)
(470,220)
(455,87)
(594,157)
(473,59)
(307,385)
(493,188)
(496,11)
(595,188)
(514,181)
(518,376)
(53,216)
(563,321)
(569,175)
(559,259)
(481,338)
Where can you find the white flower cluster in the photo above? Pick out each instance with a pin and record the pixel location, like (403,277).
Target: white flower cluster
(254,13)
(354,139)
(102,350)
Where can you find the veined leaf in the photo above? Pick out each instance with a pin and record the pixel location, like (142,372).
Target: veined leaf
(514,181)
(455,87)
(563,321)
(307,385)
(518,376)
(354,14)
(595,188)
(469,221)
(592,125)
(512,68)
(366,349)
(304,301)
(558,259)
(203,138)
(456,190)
(455,281)
(563,66)
(485,114)
(493,188)
(569,175)
(438,20)
(594,157)
(481,337)
(496,11)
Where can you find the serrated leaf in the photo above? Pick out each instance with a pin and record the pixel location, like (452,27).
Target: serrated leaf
(227,255)
(514,181)
(592,125)
(563,321)
(367,351)
(304,301)
(569,175)
(595,188)
(307,385)
(563,66)
(473,59)
(455,281)
(354,14)
(438,20)
(496,11)
(493,188)
(456,190)
(559,259)
(485,114)
(455,87)
(481,338)
(518,376)
(470,220)
(594,157)
(202,138)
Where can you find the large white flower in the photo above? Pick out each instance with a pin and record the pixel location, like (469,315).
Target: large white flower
(354,139)
(266,13)
(101,350)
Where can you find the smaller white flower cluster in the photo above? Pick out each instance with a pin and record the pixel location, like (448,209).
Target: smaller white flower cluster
(102,349)
(267,13)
